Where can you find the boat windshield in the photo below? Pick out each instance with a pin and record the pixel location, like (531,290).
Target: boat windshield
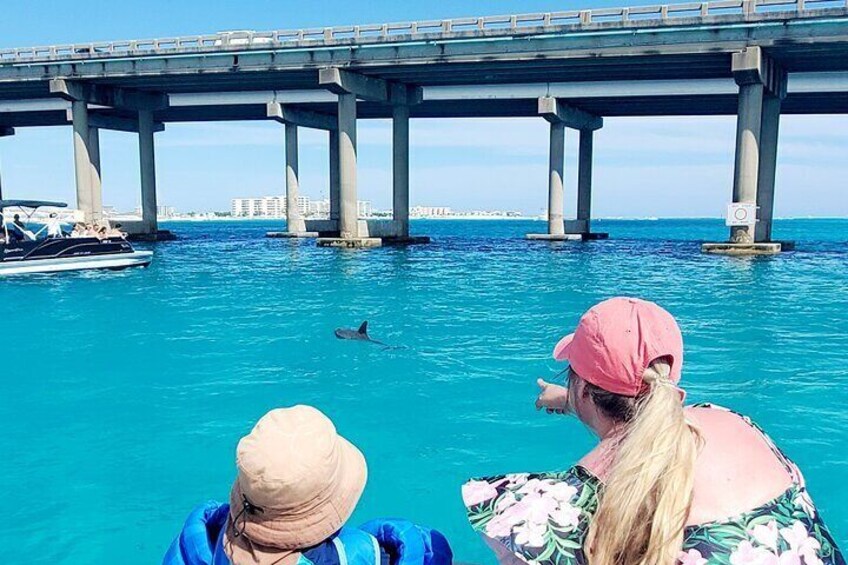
(16,217)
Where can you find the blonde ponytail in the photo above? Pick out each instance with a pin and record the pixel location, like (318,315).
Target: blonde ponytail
(648,490)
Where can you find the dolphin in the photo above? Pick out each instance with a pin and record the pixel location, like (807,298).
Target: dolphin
(358,335)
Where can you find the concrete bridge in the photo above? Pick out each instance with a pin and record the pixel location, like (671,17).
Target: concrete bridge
(756,59)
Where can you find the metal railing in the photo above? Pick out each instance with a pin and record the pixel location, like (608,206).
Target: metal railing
(669,14)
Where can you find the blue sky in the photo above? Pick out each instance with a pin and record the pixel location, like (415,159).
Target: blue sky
(643,166)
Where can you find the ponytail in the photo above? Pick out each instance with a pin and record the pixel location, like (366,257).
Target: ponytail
(645,501)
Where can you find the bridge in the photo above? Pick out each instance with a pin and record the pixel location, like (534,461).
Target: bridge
(756,59)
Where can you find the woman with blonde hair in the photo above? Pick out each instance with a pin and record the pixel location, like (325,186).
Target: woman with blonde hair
(666,483)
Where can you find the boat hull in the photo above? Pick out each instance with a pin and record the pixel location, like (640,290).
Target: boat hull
(114,261)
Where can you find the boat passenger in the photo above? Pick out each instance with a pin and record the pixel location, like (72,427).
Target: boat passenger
(78,230)
(21,230)
(54,226)
(666,483)
(298,483)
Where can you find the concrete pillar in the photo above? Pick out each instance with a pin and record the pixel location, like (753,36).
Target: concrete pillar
(769,126)
(147,158)
(747,163)
(4,131)
(400,168)
(96,183)
(82,159)
(294,220)
(584,179)
(335,187)
(348,212)
(555,183)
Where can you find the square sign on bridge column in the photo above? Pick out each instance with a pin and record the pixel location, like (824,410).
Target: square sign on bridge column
(741,214)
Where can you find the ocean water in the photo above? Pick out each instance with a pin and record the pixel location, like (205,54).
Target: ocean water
(124,394)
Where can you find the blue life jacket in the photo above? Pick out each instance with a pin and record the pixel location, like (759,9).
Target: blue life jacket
(378,542)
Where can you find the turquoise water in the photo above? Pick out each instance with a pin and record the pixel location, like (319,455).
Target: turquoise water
(124,394)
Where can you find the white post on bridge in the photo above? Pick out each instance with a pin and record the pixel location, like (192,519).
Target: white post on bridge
(762,86)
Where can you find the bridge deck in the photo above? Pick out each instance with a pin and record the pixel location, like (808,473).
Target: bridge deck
(660,60)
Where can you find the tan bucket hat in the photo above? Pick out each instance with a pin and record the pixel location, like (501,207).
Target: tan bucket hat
(298,483)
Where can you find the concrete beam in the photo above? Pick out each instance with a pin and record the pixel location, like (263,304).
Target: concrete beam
(114,123)
(340,81)
(556,112)
(297,117)
(113,97)
(753,66)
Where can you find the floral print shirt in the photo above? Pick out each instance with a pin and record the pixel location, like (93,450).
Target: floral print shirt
(543,519)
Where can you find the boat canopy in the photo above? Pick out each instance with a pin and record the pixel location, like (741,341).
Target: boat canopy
(31,204)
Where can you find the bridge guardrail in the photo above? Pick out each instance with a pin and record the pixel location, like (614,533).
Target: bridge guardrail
(411,31)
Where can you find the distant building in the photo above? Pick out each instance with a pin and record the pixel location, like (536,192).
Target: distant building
(275,207)
(364,208)
(430,211)
(319,208)
(264,207)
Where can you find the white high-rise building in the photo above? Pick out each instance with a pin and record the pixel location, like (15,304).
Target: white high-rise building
(364,208)
(265,207)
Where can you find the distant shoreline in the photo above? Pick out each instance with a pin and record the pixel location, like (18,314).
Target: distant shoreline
(487,218)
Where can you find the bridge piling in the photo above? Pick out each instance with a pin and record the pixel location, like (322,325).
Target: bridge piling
(4,131)
(96,182)
(348,209)
(335,186)
(400,169)
(561,116)
(295,226)
(556,168)
(584,180)
(762,85)
(769,126)
(82,159)
(147,161)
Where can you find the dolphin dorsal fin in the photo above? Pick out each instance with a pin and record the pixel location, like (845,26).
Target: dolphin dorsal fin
(363,329)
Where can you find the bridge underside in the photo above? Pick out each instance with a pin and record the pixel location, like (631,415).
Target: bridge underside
(756,66)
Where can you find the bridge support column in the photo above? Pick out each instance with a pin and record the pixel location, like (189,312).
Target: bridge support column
(96,182)
(349,235)
(295,226)
(335,185)
(83,164)
(769,126)
(400,169)
(4,131)
(556,168)
(762,85)
(348,206)
(561,116)
(147,160)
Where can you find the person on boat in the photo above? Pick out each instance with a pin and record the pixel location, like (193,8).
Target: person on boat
(54,226)
(20,229)
(298,484)
(666,483)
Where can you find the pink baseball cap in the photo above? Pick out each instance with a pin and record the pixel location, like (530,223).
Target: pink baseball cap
(617,339)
